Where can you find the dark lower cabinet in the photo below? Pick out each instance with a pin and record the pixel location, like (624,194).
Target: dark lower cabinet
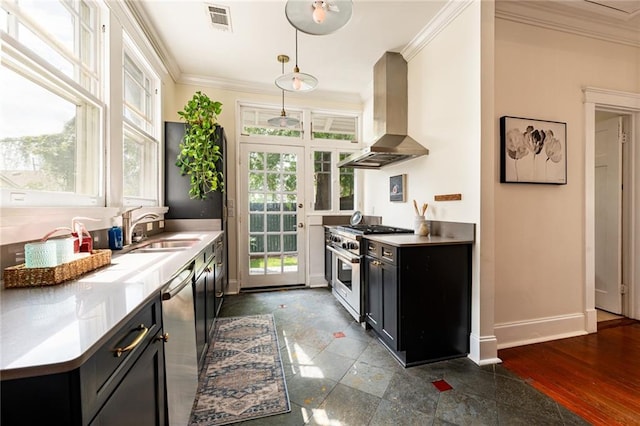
(139,398)
(208,294)
(105,389)
(381,301)
(418,299)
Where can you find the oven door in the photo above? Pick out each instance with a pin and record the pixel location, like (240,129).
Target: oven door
(346,280)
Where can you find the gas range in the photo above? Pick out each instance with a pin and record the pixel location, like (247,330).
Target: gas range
(348,237)
(346,256)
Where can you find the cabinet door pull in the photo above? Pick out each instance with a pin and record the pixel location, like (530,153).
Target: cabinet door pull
(163,337)
(143,332)
(377,263)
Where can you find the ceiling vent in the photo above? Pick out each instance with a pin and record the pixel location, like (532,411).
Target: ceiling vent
(220,17)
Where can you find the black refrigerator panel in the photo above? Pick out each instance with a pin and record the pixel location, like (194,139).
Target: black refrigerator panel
(176,191)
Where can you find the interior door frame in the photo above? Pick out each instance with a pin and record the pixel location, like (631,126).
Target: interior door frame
(624,103)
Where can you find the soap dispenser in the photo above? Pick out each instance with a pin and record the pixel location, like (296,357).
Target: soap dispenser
(115,238)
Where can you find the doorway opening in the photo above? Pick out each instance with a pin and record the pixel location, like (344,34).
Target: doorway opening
(612,161)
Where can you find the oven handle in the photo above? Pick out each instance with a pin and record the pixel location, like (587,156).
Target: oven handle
(344,255)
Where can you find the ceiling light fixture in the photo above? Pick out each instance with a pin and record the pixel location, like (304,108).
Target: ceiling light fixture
(318,17)
(297,81)
(283,120)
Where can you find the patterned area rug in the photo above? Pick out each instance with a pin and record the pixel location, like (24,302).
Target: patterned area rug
(243,377)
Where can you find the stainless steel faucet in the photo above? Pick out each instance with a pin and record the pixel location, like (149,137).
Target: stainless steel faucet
(128,225)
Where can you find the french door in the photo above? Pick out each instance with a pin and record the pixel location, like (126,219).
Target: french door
(271,217)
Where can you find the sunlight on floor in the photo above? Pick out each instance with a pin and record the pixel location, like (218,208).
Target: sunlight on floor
(298,357)
(321,418)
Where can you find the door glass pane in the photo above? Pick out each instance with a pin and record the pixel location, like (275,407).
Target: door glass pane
(322,180)
(347,179)
(256,182)
(273,243)
(290,263)
(256,243)
(290,242)
(274,264)
(256,265)
(289,222)
(256,223)
(273,223)
(256,202)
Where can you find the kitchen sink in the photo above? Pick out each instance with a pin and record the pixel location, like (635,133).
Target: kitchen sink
(160,246)
(167,244)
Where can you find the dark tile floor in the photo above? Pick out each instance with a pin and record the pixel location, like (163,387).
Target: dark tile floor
(339,374)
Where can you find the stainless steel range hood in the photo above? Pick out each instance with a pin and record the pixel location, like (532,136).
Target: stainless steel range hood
(389,118)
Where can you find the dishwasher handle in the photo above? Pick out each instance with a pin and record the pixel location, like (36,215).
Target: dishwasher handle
(178,283)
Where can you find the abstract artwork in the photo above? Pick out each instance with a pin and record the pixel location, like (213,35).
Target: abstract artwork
(533,151)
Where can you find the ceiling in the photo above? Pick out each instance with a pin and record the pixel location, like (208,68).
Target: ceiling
(245,58)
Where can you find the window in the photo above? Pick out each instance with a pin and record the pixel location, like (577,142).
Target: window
(324,168)
(334,127)
(255,122)
(140,130)
(51,142)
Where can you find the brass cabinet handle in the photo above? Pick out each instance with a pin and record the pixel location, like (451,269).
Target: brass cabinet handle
(143,332)
(163,337)
(377,262)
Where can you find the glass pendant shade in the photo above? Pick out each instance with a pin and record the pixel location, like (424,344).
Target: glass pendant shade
(297,81)
(283,120)
(318,17)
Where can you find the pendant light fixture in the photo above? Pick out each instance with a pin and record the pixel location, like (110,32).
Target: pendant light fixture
(283,120)
(297,81)
(318,17)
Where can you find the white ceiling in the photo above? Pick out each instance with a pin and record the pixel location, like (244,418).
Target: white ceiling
(245,59)
(247,56)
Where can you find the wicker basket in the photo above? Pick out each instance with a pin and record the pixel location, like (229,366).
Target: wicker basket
(21,276)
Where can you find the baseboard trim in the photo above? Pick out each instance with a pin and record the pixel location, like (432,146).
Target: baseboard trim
(519,333)
(317,281)
(483,350)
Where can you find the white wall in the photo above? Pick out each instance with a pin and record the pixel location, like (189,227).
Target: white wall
(444,116)
(445,110)
(540,238)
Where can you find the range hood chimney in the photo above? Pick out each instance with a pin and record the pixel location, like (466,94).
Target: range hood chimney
(389,118)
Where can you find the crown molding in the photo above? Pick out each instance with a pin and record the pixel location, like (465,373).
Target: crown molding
(266,89)
(556,16)
(153,38)
(451,10)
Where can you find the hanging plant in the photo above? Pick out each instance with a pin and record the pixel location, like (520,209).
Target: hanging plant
(199,150)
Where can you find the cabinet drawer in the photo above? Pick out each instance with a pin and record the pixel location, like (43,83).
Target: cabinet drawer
(381,251)
(124,347)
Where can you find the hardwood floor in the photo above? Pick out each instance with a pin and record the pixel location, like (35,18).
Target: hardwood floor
(596,376)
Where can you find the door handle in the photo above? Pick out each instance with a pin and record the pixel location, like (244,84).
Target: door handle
(301,225)
(300,205)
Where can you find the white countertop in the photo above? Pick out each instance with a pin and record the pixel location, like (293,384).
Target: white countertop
(54,328)
(412,240)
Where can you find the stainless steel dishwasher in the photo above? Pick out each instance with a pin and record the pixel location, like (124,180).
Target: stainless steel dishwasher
(181,365)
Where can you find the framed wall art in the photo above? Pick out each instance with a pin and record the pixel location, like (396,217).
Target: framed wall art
(533,151)
(397,188)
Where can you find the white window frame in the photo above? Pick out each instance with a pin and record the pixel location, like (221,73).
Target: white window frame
(149,135)
(23,61)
